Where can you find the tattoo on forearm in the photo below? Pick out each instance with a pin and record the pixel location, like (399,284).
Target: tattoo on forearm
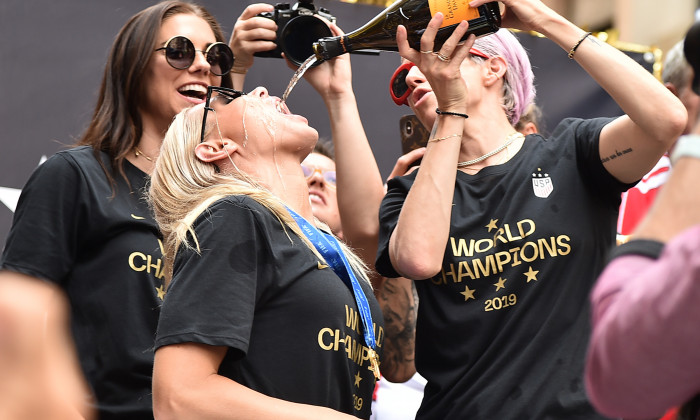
(399,302)
(616,155)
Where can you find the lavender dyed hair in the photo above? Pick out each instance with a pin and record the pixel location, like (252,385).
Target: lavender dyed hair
(518,82)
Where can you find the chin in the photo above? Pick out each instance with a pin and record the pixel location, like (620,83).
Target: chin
(426,114)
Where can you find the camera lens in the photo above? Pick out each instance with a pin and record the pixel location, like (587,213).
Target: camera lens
(298,36)
(408,128)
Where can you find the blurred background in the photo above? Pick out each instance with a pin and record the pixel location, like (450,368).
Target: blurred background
(52,55)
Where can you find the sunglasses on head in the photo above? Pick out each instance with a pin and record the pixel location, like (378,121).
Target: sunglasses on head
(328,176)
(224,96)
(399,89)
(180,52)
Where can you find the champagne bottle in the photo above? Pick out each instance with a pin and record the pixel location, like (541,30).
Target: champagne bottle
(380,32)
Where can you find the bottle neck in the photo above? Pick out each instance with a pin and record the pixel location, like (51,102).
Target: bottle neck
(327,48)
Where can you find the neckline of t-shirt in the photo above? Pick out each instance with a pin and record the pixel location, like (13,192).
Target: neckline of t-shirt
(130,167)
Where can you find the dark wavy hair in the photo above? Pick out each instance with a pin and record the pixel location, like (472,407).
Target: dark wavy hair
(116,124)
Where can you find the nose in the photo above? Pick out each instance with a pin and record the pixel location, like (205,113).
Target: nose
(259,92)
(316,177)
(200,63)
(414,77)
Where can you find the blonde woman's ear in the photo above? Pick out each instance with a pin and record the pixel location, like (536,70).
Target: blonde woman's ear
(213,151)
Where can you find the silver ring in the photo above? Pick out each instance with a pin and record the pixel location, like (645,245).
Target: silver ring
(443,57)
(426,52)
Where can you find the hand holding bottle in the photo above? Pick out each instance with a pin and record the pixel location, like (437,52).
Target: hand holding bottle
(441,68)
(525,15)
(333,78)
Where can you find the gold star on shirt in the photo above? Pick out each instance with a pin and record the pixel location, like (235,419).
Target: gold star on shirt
(161,292)
(492,224)
(358,378)
(501,284)
(531,274)
(468,293)
(321,266)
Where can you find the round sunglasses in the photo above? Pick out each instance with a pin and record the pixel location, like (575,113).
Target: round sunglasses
(180,52)
(328,176)
(399,89)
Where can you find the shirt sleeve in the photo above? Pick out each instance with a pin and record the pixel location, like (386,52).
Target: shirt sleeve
(46,228)
(397,190)
(643,356)
(211,298)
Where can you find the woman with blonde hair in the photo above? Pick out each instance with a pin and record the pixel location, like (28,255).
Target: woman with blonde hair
(257,321)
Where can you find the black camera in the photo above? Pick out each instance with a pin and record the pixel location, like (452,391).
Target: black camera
(297,30)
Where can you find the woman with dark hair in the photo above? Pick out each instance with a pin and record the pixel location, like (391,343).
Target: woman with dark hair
(81,222)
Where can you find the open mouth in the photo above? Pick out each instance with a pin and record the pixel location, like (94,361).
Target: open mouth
(418,94)
(316,198)
(282,107)
(194,91)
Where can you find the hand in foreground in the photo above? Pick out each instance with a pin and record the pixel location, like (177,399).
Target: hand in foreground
(251,34)
(332,78)
(441,68)
(405,164)
(525,15)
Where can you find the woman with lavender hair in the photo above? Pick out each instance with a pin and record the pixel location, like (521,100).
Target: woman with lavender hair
(505,234)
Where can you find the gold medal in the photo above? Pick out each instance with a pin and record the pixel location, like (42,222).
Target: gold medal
(374,363)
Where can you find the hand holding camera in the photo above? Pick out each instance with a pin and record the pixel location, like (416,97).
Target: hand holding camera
(252,34)
(298,27)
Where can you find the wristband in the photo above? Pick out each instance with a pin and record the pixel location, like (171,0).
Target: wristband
(688,145)
(575,47)
(456,114)
(644,247)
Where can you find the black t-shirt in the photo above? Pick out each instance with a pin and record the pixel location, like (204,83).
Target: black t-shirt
(503,328)
(291,324)
(104,252)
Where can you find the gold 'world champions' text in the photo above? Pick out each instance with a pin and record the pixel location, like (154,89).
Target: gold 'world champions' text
(475,266)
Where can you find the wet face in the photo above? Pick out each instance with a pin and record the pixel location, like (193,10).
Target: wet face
(263,125)
(169,90)
(322,194)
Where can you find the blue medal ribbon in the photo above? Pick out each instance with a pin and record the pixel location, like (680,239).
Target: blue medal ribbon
(329,247)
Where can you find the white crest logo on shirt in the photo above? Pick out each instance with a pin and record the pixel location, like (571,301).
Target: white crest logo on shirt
(542,184)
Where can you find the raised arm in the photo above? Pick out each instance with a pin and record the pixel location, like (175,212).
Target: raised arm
(417,244)
(360,187)
(251,34)
(631,145)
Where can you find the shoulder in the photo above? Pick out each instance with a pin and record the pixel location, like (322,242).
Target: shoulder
(235,213)
(80,160)
(238,204)
(578,128)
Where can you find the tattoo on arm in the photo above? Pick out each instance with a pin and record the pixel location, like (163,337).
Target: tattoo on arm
(399,302)
(616,155)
